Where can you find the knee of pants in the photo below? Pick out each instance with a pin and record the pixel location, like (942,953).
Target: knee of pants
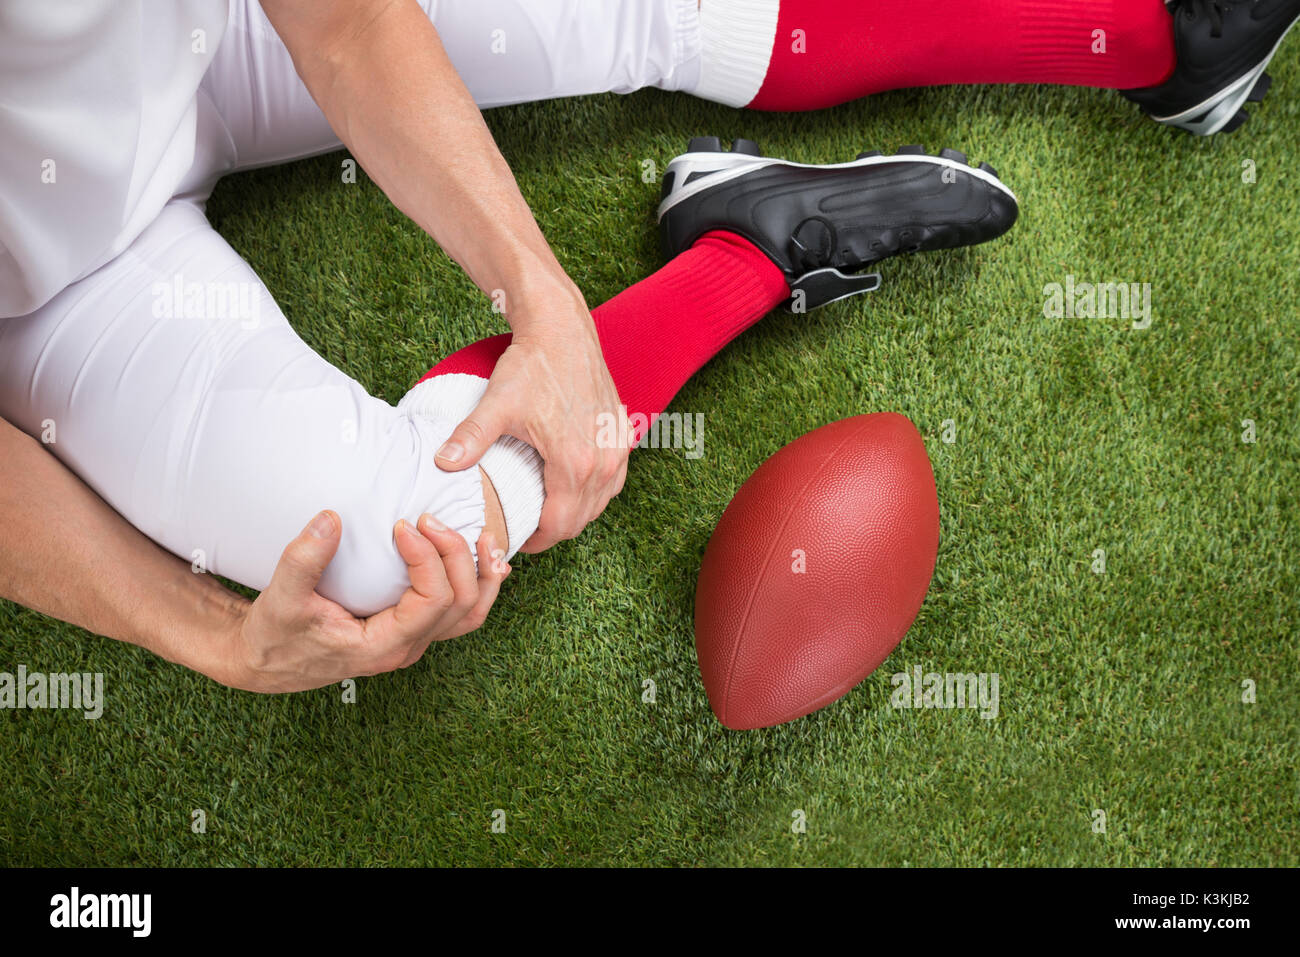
(333,447)
(220,433)
(368,574)
(517,51)
(248,447)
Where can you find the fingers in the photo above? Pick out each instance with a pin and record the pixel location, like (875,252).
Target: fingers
(442,579)
(312,640)
(473,595)
(492,572)
(559,521)
(469,440)
(573,501)
(536,542)
(305,558)
(619,480)
(459,567)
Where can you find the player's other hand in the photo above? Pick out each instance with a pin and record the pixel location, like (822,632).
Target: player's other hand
(292,639)
(551,389)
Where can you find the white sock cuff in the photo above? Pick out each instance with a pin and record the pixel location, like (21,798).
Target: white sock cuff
(736,38)
(515,470)
(684,25)
(513,466)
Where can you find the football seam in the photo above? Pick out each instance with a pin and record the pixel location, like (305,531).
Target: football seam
(767,557)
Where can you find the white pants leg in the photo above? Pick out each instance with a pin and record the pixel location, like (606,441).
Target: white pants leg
(173,385)
(506,51)
(210,425)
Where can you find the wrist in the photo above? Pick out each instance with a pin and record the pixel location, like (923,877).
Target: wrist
(542,299)
(202,630)
(552,313)
(225,659)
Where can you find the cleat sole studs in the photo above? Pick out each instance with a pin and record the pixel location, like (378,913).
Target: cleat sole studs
(1260,90)
(704,144)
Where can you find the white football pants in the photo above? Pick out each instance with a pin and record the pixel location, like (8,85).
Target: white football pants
(171,383)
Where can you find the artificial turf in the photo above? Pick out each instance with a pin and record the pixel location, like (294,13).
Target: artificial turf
(1120,692)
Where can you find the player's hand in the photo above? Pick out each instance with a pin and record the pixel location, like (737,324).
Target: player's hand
(292,639)
(551,389)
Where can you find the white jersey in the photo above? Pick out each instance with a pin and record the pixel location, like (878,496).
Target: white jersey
(97,129)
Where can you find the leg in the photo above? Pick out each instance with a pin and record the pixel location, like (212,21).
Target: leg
(172,384)
(506,51)
(809,54)
(764,54)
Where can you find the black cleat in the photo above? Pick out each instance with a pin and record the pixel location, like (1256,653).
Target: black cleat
(1224,47)
(820,224)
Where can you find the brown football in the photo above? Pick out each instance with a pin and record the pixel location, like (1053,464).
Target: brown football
(816,570)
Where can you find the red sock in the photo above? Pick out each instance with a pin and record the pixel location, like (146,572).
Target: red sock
(657,333)
(830,51)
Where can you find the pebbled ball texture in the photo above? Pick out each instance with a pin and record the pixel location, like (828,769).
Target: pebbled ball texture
(856,499)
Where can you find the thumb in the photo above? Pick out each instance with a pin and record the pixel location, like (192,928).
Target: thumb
(469,440)
(306,557)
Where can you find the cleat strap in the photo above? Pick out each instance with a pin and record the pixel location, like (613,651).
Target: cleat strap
(823,286)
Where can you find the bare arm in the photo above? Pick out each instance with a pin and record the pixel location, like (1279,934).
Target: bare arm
(65,552)
(383,80)
(379,73)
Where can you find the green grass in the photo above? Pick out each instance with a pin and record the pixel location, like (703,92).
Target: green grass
(1119,692)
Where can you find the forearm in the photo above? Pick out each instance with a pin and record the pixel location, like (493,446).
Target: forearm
(381,76)
(66,553)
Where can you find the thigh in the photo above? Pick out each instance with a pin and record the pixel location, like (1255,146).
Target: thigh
(519,51)
(171,383)
(506,51)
